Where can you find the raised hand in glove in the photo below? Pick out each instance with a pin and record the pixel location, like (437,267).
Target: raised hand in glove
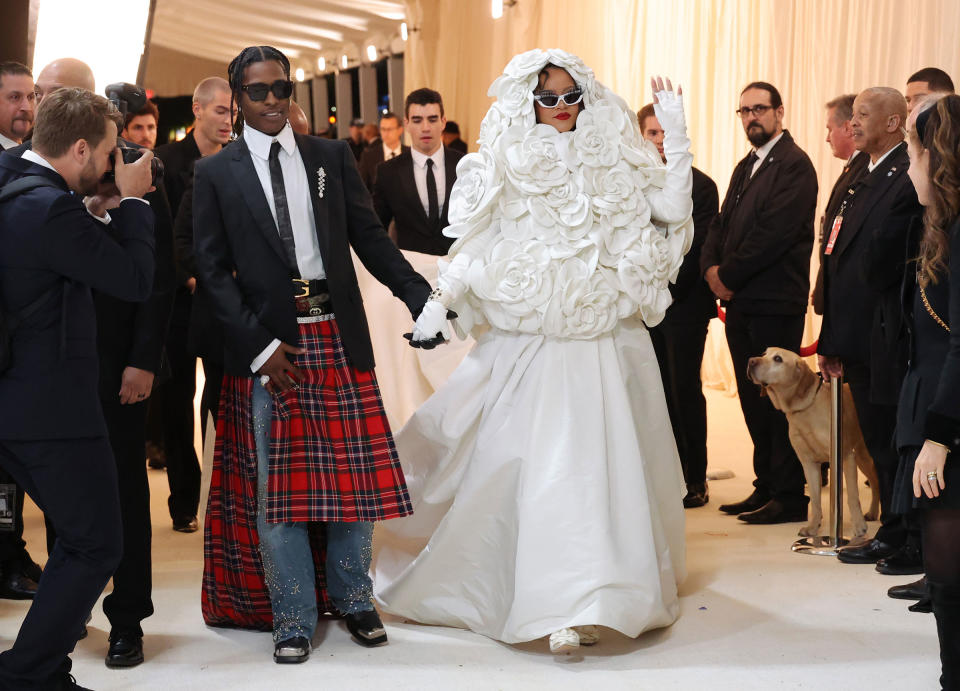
(672,204)
(668,106)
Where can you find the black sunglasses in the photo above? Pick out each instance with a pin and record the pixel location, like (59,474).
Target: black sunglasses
(548,99)
(282,88)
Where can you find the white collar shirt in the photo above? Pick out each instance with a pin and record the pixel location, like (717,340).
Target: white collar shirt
(439,174)
(389,153)
(763,152)
(872,165)
(6,142)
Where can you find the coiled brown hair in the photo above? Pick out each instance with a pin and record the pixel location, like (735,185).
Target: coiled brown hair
(940,136)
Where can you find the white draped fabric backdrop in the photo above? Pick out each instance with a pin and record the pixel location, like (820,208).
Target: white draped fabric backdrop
(812,50)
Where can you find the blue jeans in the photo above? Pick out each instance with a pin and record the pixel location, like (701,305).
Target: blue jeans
(288,559)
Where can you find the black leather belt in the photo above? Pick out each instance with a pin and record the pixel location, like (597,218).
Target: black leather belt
(312,298)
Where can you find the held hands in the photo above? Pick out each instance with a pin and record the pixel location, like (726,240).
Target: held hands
(283,374)
(135,385)
(432,326)
(668,106)
(928,470)
(712,276)
(133,179)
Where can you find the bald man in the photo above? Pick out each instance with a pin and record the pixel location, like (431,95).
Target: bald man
(64,72)
(862,336)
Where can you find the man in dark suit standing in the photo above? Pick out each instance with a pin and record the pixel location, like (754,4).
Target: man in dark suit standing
(451,137)
(389,146)
(355,140)
(840,139)
(413,189)
(756,259)
(55,252)
(19,574)
(863,337)
(275,217)
(680,339)
(211,130)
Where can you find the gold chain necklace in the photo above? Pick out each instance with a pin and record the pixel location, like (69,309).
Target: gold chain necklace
(930,311)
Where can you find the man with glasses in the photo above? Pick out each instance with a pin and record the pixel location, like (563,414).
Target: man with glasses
(389,147)
(756,259)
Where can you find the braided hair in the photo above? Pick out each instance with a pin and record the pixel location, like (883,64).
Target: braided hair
(248,56)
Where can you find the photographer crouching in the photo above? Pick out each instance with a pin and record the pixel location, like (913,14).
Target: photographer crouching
(53,438)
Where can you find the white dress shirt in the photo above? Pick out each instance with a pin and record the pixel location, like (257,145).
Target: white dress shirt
(6,142)
(296,183)
(439,174)
(872,165)
(389,153)
(762,153)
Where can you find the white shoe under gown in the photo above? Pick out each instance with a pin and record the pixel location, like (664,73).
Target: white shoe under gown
(547,492)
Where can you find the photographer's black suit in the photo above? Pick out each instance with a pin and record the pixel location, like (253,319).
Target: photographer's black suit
(53,436)
(235,234)
(762,241)
(862,320)
(395,198)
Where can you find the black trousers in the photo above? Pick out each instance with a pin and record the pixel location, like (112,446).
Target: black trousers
(778,470)
(74,482)
(679,347)
(130,602)
(183,467)
(878,422)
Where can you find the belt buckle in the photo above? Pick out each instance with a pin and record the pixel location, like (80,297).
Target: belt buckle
(304,285)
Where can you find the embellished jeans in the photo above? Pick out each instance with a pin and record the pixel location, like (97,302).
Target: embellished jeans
(287,556)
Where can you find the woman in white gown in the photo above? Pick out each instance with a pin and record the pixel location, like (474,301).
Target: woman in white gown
(544,474)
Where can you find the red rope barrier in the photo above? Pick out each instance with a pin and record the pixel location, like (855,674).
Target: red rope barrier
(805,351)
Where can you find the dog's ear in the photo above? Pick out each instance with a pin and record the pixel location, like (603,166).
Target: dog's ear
(807,381)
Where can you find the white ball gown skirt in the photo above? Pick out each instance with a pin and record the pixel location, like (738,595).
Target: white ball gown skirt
(547,492)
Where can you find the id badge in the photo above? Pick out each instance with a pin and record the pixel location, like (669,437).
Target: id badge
(834,231)
(8,506)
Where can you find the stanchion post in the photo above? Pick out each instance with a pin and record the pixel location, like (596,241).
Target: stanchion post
(828,545)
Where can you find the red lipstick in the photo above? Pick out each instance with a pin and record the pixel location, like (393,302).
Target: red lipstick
(563,116)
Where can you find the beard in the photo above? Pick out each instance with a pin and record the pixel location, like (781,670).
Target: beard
(757,135)
(89,180)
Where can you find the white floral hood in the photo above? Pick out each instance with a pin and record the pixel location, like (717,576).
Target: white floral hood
(557,224)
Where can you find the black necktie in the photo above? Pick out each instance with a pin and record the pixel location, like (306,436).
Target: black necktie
(283,211)
(433,206)
(747,174)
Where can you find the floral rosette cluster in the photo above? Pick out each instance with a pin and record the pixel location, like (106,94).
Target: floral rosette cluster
(557,224)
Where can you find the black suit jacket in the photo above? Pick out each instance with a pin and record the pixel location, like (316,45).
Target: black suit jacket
(178,159)
(395,198)
(242,262)
(692,299)
(458,145)
(763,237)
(49,244)
(929,406)
(851,173)
(133,333)
(371,159)
(863,325)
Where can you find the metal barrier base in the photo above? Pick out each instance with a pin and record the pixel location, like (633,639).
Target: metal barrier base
(822,546)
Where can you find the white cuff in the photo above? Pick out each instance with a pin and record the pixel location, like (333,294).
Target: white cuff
(262,358)
(139,199)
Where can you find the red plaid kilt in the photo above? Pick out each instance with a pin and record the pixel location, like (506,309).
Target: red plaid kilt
(332,458)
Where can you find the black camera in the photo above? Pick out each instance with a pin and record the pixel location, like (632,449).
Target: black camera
(131,98)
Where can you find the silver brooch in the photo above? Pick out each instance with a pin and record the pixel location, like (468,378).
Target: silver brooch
(321,181)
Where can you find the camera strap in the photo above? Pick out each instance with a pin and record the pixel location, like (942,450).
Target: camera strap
(25,184)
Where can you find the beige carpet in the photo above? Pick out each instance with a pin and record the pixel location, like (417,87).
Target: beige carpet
(755,616)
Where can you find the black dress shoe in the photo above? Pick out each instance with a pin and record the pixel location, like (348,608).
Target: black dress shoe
(16,586)
(68,683)
(751,503)
(291,651)
(697,495)
(867,553)
(906,561)
(911,591)
(774,512)
(924,606)
(126,650)
(156,457)
(30,568)
(186,525)
(366,627)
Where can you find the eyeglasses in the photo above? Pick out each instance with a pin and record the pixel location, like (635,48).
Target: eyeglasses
(548,99)
(746,111)
(282,88)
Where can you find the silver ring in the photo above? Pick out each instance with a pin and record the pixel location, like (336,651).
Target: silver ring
(932,475)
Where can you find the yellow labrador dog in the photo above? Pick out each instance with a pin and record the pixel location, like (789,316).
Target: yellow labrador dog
(795,390)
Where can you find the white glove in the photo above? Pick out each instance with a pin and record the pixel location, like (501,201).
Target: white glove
(674,203)
(452,281)
(432,321)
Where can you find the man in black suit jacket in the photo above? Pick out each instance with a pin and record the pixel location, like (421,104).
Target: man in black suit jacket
(275,217)
(756,259)
(213,123)
(863,337)
(355,140)
(413,189)
(840,139)
(451,137)
(680,339)
(389,146)
(53,436)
